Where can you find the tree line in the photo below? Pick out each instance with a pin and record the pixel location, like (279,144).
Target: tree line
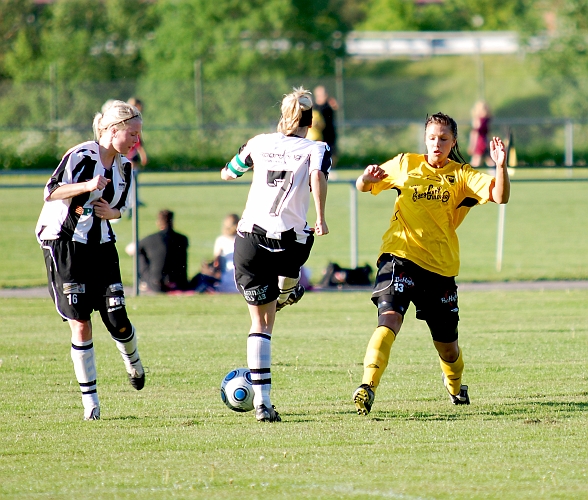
(103,40)
(74,43)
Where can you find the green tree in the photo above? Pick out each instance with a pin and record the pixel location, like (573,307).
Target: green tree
(564,63)
(84,39)
(454,15)
(236,42)
(20,21)
(76,46)
(257,37)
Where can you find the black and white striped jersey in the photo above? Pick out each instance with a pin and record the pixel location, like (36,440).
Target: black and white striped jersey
(74,218)
(280,192)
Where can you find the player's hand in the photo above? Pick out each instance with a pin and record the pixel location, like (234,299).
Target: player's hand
(103,211)
(321,228)
(373,173)
(97,183)
(498,151)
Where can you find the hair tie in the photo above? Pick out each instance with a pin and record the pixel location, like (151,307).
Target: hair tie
(306,119)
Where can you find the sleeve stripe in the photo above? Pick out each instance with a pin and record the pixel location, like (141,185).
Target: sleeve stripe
(232,169)
(237,166)
(238,160)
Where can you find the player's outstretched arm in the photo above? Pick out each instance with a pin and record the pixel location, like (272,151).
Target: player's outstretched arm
(501,191)
(318,183)
(371,175)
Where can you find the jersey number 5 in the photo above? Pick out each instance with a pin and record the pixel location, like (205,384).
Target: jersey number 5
(284,179)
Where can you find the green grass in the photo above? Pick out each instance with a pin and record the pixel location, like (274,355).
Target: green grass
(543,239)
(524,436)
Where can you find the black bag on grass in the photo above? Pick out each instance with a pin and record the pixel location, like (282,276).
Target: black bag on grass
(335,275)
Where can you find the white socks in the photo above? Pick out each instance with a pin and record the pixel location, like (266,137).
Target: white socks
(82,355)
(259,359)
(130,354)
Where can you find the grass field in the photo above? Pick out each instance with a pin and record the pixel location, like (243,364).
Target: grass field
(525,435)
(544,236)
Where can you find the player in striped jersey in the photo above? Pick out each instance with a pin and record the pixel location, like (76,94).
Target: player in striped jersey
(273,239)
(419,256)
(90,187)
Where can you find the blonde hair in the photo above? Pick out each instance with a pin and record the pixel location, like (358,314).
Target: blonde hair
(117,114)
(293,105)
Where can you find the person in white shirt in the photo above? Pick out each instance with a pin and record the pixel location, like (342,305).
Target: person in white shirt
(273,238)
(224,249)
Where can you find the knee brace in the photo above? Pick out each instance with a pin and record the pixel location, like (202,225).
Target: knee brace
(385,304)
(114,314)
(444,329)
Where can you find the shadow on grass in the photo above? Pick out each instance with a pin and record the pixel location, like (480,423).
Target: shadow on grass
(530,411)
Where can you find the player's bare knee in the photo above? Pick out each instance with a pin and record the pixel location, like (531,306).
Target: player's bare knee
(387,316)
(448,352)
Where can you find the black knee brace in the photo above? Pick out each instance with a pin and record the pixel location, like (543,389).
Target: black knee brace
(114,314)
(385,304)
(444,329)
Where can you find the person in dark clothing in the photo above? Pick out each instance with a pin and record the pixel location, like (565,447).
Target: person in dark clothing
(163,257)
(327,106)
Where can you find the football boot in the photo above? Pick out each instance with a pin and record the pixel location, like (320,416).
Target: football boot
(363,397)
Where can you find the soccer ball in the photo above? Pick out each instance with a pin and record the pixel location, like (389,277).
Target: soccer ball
(237,390)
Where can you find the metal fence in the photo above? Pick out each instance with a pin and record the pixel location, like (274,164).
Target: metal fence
(199,121)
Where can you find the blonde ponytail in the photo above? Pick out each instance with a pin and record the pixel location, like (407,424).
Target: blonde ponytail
(293,105)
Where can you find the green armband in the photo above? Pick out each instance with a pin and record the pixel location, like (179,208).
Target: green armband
(236,166)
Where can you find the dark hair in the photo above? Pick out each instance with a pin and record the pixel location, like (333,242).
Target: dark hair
(166,218)
(443,119)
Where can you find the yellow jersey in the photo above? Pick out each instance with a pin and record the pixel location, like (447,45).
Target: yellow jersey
(431,204)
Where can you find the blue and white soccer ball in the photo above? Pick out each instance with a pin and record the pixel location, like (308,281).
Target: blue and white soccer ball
(237,390)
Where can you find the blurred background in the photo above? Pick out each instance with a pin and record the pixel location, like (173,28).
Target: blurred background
(211,74)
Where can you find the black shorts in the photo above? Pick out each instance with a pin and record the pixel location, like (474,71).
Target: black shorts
(259,261)
(434,296)
(81,277)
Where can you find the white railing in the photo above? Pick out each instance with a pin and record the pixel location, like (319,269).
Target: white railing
(387,44)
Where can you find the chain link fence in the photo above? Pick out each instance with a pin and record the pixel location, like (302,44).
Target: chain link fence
(191,124)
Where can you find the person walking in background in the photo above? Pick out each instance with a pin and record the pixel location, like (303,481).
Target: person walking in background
(419,256)
(163,257)
(478,145)
(273,239)
(224,249)
(137,154)
(90,187)
(327,106)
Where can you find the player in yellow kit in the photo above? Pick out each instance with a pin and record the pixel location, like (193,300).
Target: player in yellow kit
(419,256)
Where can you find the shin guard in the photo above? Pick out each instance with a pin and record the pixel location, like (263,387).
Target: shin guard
(377,355)
(453,372)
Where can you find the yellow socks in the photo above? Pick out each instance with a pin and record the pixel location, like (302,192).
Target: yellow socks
(452,373)
(377,355)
